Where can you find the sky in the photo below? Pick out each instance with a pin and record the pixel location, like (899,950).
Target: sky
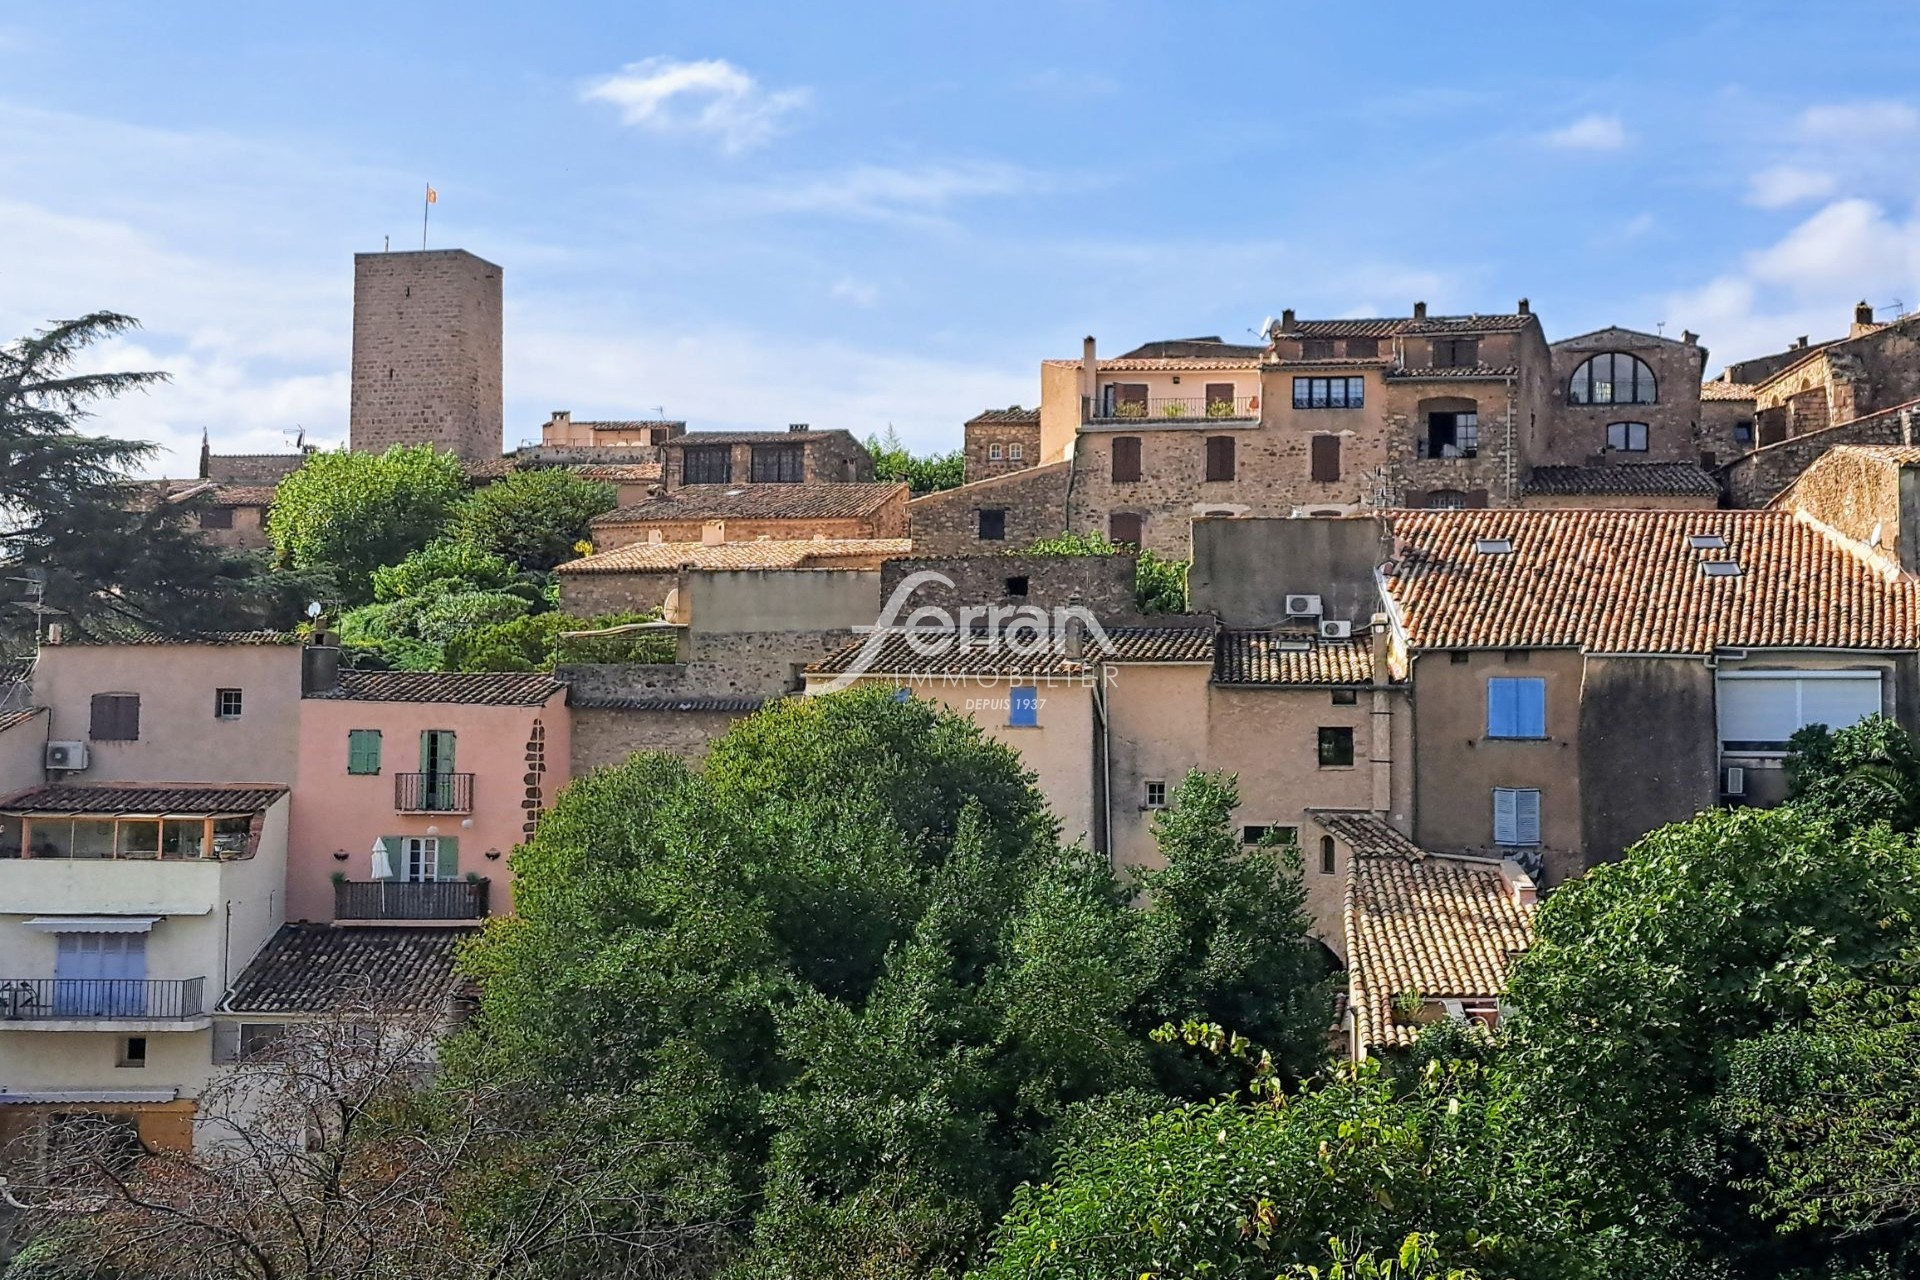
(749,214)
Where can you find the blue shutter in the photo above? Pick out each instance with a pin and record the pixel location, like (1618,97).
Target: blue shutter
(1526,817)
(1506,826)
(1024,707)
(1531,707)
(1500,708)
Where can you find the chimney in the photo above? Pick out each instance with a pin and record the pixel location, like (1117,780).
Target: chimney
(1519,883)
(1862,313)
(1800,343)
(797,426)
(320,664)
(1089,369)
(206,454)
(563,417)
(713,533)
(1419,311)
(1689,337)
(655,537)
(1286,320)
(1379,637)
(1525,309)
(1073,639)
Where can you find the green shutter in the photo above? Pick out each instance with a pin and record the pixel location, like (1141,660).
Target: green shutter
(436,751)
(396,855)
(449,868)
(363,751)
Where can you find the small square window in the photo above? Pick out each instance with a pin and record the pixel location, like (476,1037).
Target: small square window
(1336,747)
(1458,657)
(133,1051)
(993,453)
(1720,568)
(993,525)
(226,704)
(1156,795)
(1016,452)
(1017,586)
(217,518)
(1346,697)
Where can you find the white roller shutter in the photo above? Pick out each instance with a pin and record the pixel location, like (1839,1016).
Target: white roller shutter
(1759,711)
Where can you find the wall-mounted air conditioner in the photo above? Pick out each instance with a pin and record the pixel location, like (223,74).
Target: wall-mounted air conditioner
(66,757)
(1332,629)
(1303,606)
(1733,780)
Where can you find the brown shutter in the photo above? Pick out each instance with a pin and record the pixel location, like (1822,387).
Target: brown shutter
(1220,393)
(1326,458)
(1124,527)
(1476,497)
(1219,457)
(1126,458)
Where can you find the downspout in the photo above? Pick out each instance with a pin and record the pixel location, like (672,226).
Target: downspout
(1106,764)
(1513,384)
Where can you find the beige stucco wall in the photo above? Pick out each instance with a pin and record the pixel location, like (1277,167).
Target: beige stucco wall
(759,600)
(22,749)
(181,740)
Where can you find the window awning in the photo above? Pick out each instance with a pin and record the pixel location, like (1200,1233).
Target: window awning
(93,924)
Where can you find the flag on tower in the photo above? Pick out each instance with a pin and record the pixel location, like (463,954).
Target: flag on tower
(433,197)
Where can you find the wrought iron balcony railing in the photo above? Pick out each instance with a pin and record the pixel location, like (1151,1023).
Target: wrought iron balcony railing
(410,900)
(24,999)
(433,792)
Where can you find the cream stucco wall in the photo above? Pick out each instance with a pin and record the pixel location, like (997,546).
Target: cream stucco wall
(22,748)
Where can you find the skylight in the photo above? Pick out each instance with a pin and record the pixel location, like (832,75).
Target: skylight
(1493,546)
(1706,542)
(1720,568)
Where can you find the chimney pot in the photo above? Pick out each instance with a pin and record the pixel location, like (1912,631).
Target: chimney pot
(796,426)
(1525,308)
(713,533)
(1689,337)
(1286,320)
(1419,311)
(1863,312)
(1800,343)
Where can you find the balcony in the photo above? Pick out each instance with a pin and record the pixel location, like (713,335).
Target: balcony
(81,1004)
(433,792)
(409,900)
(1184,410)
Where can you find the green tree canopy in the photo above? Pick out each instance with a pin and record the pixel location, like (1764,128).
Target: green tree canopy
(1159,586)
(1868,772)
(892,460)
(357,512)
(532,518)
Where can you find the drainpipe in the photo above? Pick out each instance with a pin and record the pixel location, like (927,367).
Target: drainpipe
(1513,384)
(1106,762)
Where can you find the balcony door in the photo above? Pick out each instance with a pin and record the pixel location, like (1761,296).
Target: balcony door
(100,975)
(436,769)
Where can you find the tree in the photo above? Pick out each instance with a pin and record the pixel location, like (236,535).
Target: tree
(921,474)
(1159,586)
(1647,975)
(533,643)
(443,594)
(532,519)
(1868,772)
(355,512)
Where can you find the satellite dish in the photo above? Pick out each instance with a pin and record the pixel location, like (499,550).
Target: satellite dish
(313,609)
(1266,327)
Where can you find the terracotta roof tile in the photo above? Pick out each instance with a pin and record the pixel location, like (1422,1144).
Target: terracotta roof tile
(1157,644)
(617,472)
(1631,582)
(1441,927)
(759,502)
(1015,415)
(474,688)
(198,637)
(669,703)
(1397,326)
(1177,364)
(25,715)
(771,553)
(133,797)
(1261,657)
(757,437)
(315,968)
(1664,479)
(945,653)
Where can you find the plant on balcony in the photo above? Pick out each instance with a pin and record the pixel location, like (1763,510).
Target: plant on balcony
(1130,409)
(1220,409)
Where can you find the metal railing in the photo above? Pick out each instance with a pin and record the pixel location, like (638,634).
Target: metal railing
(1172,409)
(24,999)
(433,792)
(410,900)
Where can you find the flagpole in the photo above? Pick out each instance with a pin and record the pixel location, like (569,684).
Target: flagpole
(426,207)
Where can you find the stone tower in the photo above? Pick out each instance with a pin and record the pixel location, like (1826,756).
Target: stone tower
(426,353)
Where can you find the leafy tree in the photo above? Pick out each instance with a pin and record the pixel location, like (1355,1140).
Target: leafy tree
(1159,586)
(532,643)
(532,518)
(893,461)
(356,512)
(460,565)
(445,594)
(1866,773)
(1647,975)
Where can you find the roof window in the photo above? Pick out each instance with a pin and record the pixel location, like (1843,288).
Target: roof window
(1493,546)
(1720,568)
(1706,542)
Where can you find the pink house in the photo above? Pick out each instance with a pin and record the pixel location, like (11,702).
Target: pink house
(414,786)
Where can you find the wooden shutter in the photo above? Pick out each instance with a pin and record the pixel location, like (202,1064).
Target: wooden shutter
(1124,527)
(1526,805)
(226,1042)
(1126,459)
(1326,458)
(1131,393)
(1219,393)
(363,751)
(436,751)
(1506,826)
(115,717)
(1219,457)
(448,867)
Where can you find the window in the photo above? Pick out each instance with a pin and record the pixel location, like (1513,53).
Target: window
(1156,795)
(1281,835)
(226,704)
(1023,706)
(1456,353)
(1325,454)
(116,717)
(1743,432)
(137,838)
(133,1052)
(1452,435)
(1346,697)
(1126,400)
(1017,586)
(1327,856)
(1329,393)
(1612,378)
(1016,452)
(231,836)
(100,975)
(777,464)
(1707,541)
(1124,529)
(1362,348)
(993,453)
(1219,399)
(1493,546)
(993,524)
(1446,500)
(1458,657)
(1516,707)
(217,518)
(1219,457)
(363,751)
(1316,348)
(259,1037)
(706,464)
(1720,568)
(1759,710)
(421,859)
(1336,748)
(1516,815)
(1627,437)
(1126,459)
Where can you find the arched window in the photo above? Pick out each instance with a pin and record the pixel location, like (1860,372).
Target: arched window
(1446,500)
(1326,855)
(1613,377)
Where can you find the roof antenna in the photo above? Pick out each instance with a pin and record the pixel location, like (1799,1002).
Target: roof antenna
(1660,327)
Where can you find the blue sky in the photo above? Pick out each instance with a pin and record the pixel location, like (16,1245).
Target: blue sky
(853,215)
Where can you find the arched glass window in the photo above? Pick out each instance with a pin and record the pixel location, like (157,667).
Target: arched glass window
(1613,377)
(1446,500)
(1326,855)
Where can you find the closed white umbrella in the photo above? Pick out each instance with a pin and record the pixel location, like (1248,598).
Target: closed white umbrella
(382,864)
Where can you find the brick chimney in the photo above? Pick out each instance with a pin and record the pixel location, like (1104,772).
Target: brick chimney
(1287,321)
(1525,308)
(1419,311)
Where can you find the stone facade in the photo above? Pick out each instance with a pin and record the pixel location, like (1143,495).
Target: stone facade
(1031,504)
(1002,440)
(605,736)
(1578,433)
(1756,478)
(1103,585)
(427,353)
(757,457)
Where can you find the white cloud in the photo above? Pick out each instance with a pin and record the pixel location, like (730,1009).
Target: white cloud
(1858,121)
(857,292)
(711,97)
(1590,133)
(1785,184)
(889,194)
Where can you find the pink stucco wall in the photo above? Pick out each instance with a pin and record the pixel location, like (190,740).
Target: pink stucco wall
(334,810)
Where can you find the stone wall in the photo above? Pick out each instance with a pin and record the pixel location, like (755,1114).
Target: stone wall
(983,433)
(1871,499)
(947,523)
(250,468)
(1243,570)
(1758,477)
(608,735)
(765,665)
(1577,433)
(890,521)
(829,457)
(426,353)
(1104,585)
(589,594)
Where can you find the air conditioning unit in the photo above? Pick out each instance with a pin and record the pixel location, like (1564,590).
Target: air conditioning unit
(68,757)
(1733,780)
(1303,606)
(1336,630)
